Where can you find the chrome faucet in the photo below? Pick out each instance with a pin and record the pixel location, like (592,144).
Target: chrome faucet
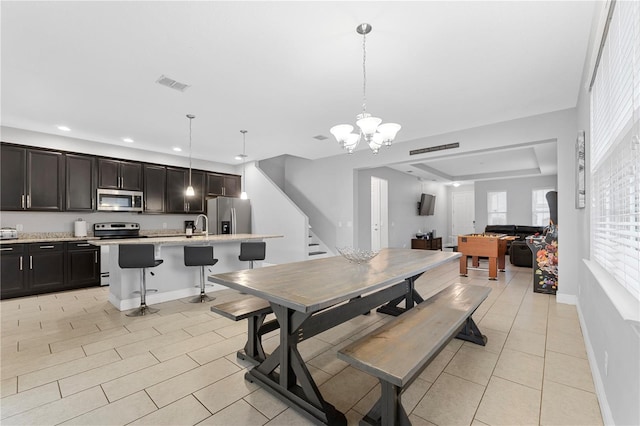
(205,223)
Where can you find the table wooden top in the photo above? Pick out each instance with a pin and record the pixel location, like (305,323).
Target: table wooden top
(312,285)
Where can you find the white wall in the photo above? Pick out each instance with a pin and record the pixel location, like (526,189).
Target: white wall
(519,198)
(273,213)
(603,327)
(82,146)
(403,195)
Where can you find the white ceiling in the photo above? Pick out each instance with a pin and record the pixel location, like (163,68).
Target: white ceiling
(288,71)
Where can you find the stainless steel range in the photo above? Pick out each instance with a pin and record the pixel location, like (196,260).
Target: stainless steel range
(112,230)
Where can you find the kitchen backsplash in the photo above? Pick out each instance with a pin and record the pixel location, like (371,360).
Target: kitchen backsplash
(62,222)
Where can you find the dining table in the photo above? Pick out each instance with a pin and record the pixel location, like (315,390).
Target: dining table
(312,296)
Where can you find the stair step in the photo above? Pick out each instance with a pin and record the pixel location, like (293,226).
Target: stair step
(314,253)
(313,244)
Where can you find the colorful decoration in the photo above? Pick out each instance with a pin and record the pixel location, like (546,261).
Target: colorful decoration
(545,249)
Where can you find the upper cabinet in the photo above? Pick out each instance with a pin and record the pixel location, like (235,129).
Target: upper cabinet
(223,185)
(177,182)
(32,179)
(13,177)
(80,182)
(116,174)
(155,178)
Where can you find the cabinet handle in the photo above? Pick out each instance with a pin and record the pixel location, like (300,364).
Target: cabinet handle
(47,247)
(22,201)
(95,257)
(83,245)
(93,203)
(28,201)
(6,249)
(30,262)
(21,263)
(224,191)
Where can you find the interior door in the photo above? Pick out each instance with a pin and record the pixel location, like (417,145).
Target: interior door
(463,214)
(379,213)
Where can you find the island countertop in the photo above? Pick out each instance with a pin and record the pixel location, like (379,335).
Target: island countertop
(183,239)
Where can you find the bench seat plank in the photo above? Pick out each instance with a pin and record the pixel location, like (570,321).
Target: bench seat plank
(240,309)
(400,349)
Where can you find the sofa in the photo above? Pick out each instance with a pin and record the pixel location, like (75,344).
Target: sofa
(519,252)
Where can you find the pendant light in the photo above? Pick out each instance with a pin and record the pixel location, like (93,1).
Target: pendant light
(190,192)
(243,194)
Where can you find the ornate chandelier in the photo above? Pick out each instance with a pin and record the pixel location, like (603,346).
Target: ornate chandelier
(371,129)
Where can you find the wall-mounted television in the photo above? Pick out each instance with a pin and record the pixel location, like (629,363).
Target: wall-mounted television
(426,205)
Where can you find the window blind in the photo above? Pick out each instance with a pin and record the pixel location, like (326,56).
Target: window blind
(615,153)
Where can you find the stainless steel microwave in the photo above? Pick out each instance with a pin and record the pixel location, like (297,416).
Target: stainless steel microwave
(116,200)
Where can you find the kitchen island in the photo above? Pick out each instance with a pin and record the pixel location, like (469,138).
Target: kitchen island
(172,279)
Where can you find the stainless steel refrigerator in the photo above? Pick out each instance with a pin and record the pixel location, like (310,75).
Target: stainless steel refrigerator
(229,215)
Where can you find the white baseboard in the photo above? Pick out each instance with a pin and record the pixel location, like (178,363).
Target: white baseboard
(605,409)
(567,299)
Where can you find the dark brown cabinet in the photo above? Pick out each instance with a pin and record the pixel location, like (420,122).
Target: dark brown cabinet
(13,177)
(116,174)
(424,244)
(80,182)
(35,268)
(223,185)
(46,267)
(83,264)
(155,178)
(177,182)
(32,179)
(12,270)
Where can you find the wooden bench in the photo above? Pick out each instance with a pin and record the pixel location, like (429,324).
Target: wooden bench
(397,352)
(254,310)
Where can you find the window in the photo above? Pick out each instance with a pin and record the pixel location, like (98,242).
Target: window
(540,207)
(615,150)
(497,208)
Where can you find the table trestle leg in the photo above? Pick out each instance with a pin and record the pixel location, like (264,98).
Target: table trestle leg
(411,298)
(471,333)
(293,382)
(388,410)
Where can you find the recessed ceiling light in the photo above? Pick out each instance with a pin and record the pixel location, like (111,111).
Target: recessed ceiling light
(240,157)
(456,184)
(177,149)
(128,140)
(64,128)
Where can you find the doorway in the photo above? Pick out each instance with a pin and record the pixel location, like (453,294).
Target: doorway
(463,214)
(379,213)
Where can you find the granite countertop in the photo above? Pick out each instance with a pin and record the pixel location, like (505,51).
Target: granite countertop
(45,239)
(181,239)
(155,236)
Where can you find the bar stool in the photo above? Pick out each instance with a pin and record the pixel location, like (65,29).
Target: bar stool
(141,256)
(200,256)
(251,251)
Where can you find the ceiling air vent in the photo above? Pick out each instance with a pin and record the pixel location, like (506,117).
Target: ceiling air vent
(171,83)
(320,137)
(434,148)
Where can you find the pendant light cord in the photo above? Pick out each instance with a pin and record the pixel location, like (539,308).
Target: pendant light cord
(190,117)
(244,159)
(364,71)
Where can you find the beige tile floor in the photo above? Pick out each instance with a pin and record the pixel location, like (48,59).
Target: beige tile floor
(72,358)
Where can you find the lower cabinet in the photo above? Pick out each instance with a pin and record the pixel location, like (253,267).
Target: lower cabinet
(83,264)
(12,270)
(424,244)
(35,268)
